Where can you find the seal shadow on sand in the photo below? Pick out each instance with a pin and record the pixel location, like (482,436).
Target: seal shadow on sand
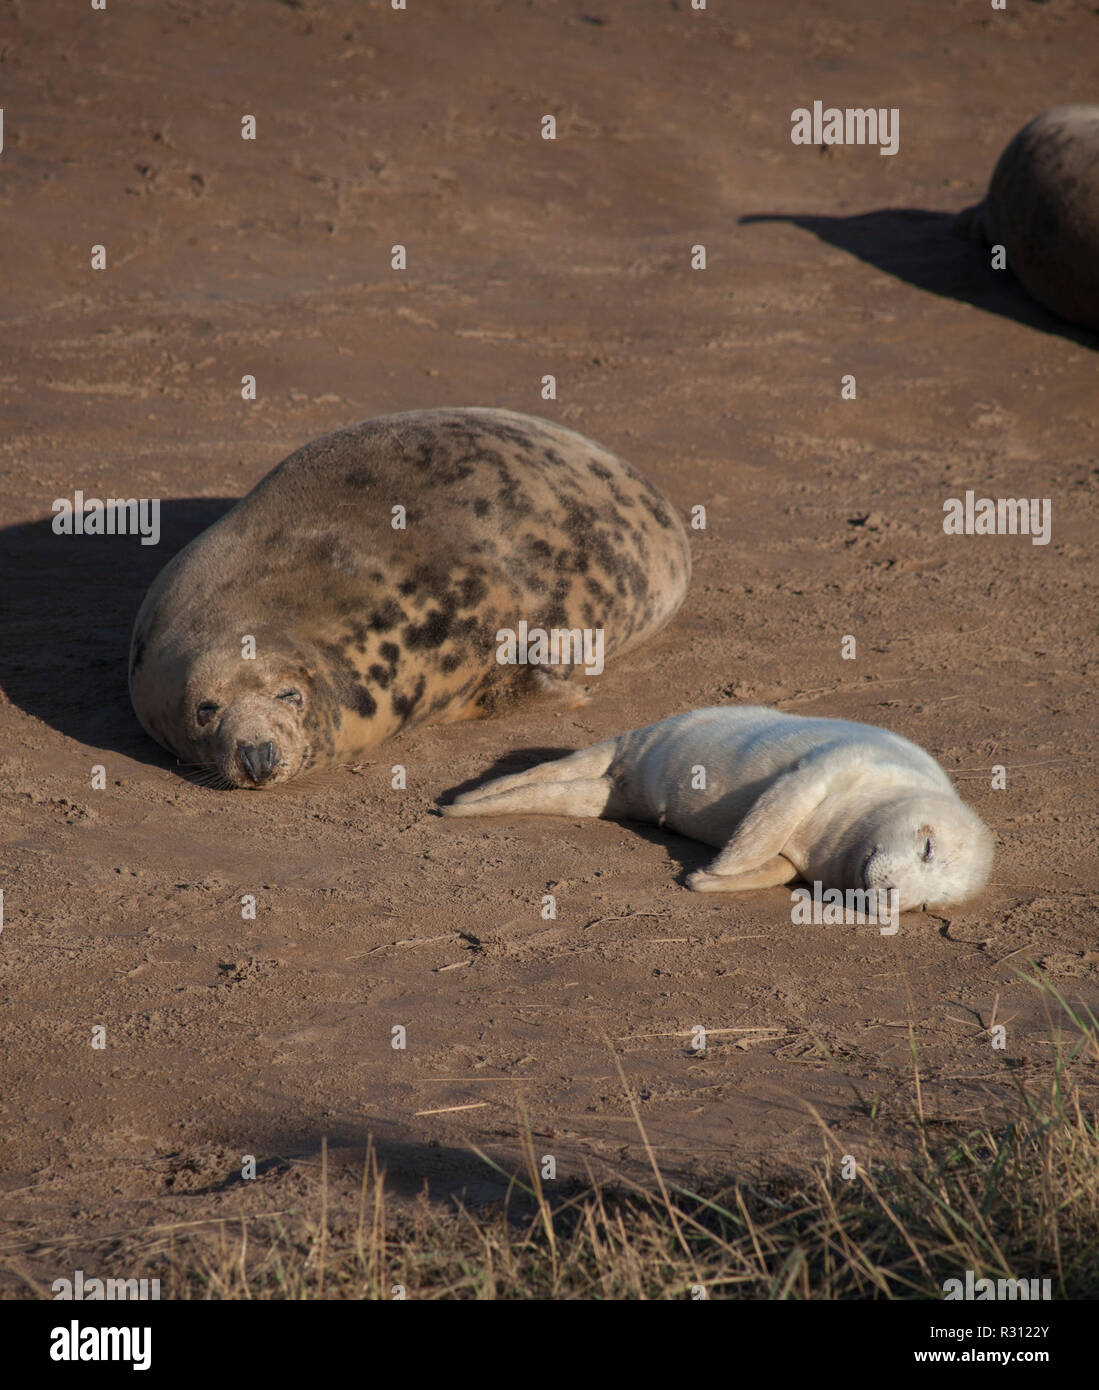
(410,1165)
(68,609)
(921,248)
(448,1171)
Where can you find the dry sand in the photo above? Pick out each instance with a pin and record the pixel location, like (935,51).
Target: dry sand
(228,1037)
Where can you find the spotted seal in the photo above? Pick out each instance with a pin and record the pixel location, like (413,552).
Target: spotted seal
(785,796)
(1042,206)
(362,586)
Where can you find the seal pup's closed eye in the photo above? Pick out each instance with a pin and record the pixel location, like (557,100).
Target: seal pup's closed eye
(847,805)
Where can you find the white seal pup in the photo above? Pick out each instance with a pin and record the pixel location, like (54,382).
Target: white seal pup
(828,800)
(1042,206)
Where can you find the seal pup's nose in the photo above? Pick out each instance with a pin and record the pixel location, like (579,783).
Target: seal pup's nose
(257,759)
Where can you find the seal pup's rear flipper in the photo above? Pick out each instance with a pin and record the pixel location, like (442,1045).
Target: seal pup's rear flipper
(580,796)
(590,762)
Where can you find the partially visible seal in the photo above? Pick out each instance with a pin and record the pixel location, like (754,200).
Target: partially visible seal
(361,627)
(845,804)
(1042,206)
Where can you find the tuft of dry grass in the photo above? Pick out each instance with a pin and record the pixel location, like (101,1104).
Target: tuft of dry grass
(1019,1199)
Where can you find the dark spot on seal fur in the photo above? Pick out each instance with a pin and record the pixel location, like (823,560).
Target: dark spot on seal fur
(508,434)
(328,552)
(537,546)
(508,496)
(470,591)
(432,632)
(571,562)
(324,716)
(405,704)
(656,510)
(386,616)
(365,704)
(432,578)
(346,681)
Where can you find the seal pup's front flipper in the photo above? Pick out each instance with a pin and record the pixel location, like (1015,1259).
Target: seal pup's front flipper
(752,857)
(769,875)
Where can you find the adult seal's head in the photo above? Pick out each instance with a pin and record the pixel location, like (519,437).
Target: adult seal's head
(361,587)
(1042,206)
(243,720)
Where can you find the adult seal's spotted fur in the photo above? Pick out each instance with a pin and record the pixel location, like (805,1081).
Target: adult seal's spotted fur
(1043,208)
(846,805)
(362,628)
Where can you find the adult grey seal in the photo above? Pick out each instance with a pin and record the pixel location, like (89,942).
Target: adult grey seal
(365,618)
(1042,206)
(828,800)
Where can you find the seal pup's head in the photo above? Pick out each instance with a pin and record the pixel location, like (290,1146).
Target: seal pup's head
(251,723)
(929,847)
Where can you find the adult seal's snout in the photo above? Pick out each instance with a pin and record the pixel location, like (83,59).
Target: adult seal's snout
(360,588)
(258,760)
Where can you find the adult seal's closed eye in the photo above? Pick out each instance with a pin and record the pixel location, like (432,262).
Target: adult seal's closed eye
(304,627)
(847,805)
(1042,206)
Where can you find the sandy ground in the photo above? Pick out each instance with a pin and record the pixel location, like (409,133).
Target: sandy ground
(122,906)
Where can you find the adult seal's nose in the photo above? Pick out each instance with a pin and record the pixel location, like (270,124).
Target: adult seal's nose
(257,759)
